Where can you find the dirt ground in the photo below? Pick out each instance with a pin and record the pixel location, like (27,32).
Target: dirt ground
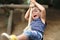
(52,31)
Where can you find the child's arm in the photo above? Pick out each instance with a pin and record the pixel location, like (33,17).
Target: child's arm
(43,11)
(27,14)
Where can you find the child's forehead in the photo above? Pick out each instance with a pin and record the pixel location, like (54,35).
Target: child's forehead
(35,8)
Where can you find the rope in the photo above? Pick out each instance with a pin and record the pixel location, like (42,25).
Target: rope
(30,18)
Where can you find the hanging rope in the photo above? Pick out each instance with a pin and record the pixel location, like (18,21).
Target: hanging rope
(30,18)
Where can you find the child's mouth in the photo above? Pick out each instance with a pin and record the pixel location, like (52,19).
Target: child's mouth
(35,15)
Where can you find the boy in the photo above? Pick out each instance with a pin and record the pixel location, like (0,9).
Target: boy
(37,23)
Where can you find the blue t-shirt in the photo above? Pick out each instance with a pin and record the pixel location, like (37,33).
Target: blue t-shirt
(37,25)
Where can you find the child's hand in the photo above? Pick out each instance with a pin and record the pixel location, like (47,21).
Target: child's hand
(31,5)
(32,1)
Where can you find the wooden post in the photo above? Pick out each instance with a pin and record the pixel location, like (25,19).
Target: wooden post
(9,27)
(22,16)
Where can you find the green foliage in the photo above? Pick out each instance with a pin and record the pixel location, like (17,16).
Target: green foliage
(26,1)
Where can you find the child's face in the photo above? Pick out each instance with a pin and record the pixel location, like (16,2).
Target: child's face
(35,13)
